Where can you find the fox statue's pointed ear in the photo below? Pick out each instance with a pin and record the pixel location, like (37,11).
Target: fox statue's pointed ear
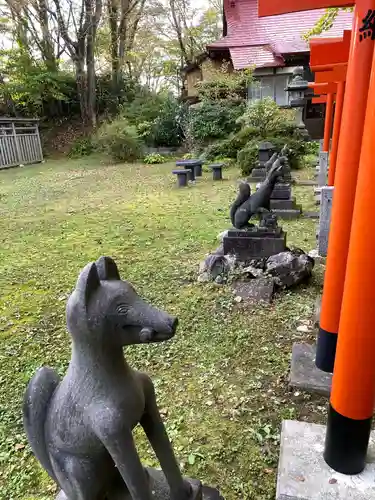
(107,269)
(88,281)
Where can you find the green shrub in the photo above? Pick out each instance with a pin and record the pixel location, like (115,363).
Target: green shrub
(247,157)
(309,160)
(189,156)
(228,162)
(145,132)
(83,146)
(267,118)
(312,148)
(119,140)
(154,159)
(214,120)
(166,130)
(145,107)
(296,146)
(265,121)
(228,148)
(157,118)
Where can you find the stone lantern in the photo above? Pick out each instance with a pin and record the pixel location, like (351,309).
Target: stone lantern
(297,89)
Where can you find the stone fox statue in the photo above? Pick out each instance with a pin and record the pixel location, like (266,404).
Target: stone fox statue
(247,205)
(80,427)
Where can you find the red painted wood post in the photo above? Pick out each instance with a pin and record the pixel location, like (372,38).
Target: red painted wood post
(336,132)
(353,387)
(328,123)
(349,149)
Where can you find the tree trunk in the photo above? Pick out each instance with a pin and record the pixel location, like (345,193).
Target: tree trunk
(90,66)
(46,42)
(113,21)
(81,86)
(93,16)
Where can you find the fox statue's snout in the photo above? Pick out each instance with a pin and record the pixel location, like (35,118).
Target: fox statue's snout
(165,331)
(150,324)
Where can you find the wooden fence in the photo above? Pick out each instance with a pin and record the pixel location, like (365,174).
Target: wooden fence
(19,142)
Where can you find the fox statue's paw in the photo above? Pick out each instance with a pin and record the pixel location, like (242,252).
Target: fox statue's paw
(185,492)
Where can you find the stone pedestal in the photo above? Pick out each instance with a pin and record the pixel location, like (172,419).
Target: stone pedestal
(259,173)
(304,475)
(304,374)
(254,243)
(160,489)
(325,219)
(283,204)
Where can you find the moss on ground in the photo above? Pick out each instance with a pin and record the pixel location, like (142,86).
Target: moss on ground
(221,384)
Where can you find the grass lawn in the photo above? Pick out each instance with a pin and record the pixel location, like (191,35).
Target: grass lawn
(221,383)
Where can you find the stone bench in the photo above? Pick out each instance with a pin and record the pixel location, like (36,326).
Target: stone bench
(182,176)
(217,171)
(194,165)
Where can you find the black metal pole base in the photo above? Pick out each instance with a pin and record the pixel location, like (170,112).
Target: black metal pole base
(326,350)
(346,443)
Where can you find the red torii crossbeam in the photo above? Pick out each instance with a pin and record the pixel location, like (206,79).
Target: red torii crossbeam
(275,7)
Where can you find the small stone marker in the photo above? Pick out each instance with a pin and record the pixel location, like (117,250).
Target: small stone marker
(256,290)
(305,375)
(325,219)
(182,177)
(304,475)
(217,173)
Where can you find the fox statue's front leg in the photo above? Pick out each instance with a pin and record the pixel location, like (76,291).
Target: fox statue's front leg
(158,437)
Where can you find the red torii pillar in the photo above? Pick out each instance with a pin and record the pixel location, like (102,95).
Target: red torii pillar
(336,76)
(328,60)
(353,390)
(330,91)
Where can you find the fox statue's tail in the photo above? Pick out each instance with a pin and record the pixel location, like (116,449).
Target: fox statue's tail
(243,195)
(35,405)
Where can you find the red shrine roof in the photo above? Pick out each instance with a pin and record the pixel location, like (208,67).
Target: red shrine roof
(262,42)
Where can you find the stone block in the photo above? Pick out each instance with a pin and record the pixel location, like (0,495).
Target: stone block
(282,192)
(283,204)
(311,215)
(256,290)
(304,475)
(306,183)
(323,169)
(305,375)
(325,219)
(288,214)
(258,175)
(255,232)
(247,245)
